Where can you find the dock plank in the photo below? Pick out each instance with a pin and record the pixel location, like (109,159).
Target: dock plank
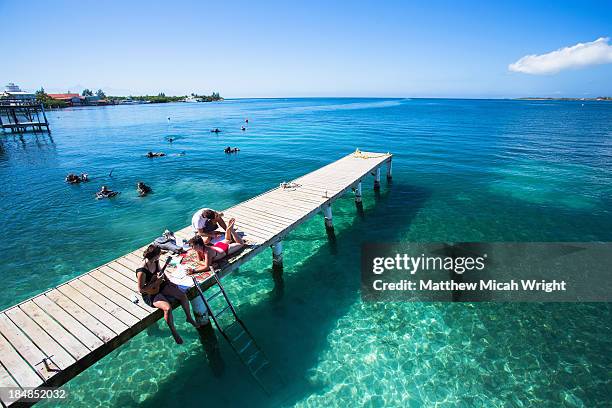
(69,343)
(23,374)
(6,381)
(114,297)
(28,350)
(90,340)
(101,330)
(55,352)
(107,318)
(106,304)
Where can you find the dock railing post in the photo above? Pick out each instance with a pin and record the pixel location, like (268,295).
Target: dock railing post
(389,169)
(277,256)
(358,193)
(329,222)
(199,310)
(377,179)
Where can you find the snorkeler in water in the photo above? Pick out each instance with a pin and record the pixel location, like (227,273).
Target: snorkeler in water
(143,189)
(105,193)
(151,155)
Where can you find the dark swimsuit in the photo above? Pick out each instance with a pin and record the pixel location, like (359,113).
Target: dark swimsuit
(148,298)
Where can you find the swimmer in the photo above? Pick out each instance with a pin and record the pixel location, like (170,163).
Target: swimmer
(229,150)
(72,179)
(216,130)
(105,193)
(150,155)
(143,189)
(243,128)
(84,177)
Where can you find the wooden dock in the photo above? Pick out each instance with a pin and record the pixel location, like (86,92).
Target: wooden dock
(19,115)
(49,339)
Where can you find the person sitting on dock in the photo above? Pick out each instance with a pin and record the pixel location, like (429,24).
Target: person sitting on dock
(143,189)
(105,193)
(229,150)
(205,223)
(158,292)
(151,155)
(207,255)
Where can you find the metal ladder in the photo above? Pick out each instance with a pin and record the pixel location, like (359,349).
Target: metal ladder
(241,340)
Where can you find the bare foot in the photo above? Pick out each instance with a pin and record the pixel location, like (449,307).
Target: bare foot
(230,223)
(194,323)
(177,338)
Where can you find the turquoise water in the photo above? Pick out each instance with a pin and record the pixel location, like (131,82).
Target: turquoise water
(464,170)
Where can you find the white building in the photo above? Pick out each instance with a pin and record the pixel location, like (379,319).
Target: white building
(13,91)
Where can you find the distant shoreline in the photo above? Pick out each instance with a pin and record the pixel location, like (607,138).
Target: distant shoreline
(598,99)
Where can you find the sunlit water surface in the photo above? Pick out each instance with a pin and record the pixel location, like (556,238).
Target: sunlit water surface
(463,171)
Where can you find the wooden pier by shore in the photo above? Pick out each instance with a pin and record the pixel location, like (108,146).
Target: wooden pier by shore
(19,115)
(49,339)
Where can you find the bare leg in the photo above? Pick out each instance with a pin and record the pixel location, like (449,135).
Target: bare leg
(175,292)
(237,238)
(167,309)
(228,230)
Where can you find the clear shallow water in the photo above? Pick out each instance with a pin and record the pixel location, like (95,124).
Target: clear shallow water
(463,171)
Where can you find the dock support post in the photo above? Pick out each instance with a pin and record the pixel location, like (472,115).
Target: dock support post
(199,310)
(389,169)
(358,193)
(329,222)
(377,179)
(277,256)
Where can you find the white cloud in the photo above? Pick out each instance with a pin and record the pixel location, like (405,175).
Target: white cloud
(576,56)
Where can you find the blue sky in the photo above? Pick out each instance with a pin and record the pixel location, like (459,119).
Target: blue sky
(310,48)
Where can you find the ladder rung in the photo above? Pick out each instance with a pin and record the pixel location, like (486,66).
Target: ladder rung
(246,346)
(261,366)
(230,325)
(238,336)
(253,356)
(226,307)
(214,296)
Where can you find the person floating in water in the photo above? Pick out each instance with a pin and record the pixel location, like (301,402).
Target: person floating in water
(150,155)
(229,150)
(105,193)
(246,120)
(216,130)
(243,128)
(171,139)
(74,179)
(143,189)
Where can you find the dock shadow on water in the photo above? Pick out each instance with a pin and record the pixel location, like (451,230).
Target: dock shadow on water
(292,327)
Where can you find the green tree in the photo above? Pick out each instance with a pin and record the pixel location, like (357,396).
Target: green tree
(87,92)
(100,94)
